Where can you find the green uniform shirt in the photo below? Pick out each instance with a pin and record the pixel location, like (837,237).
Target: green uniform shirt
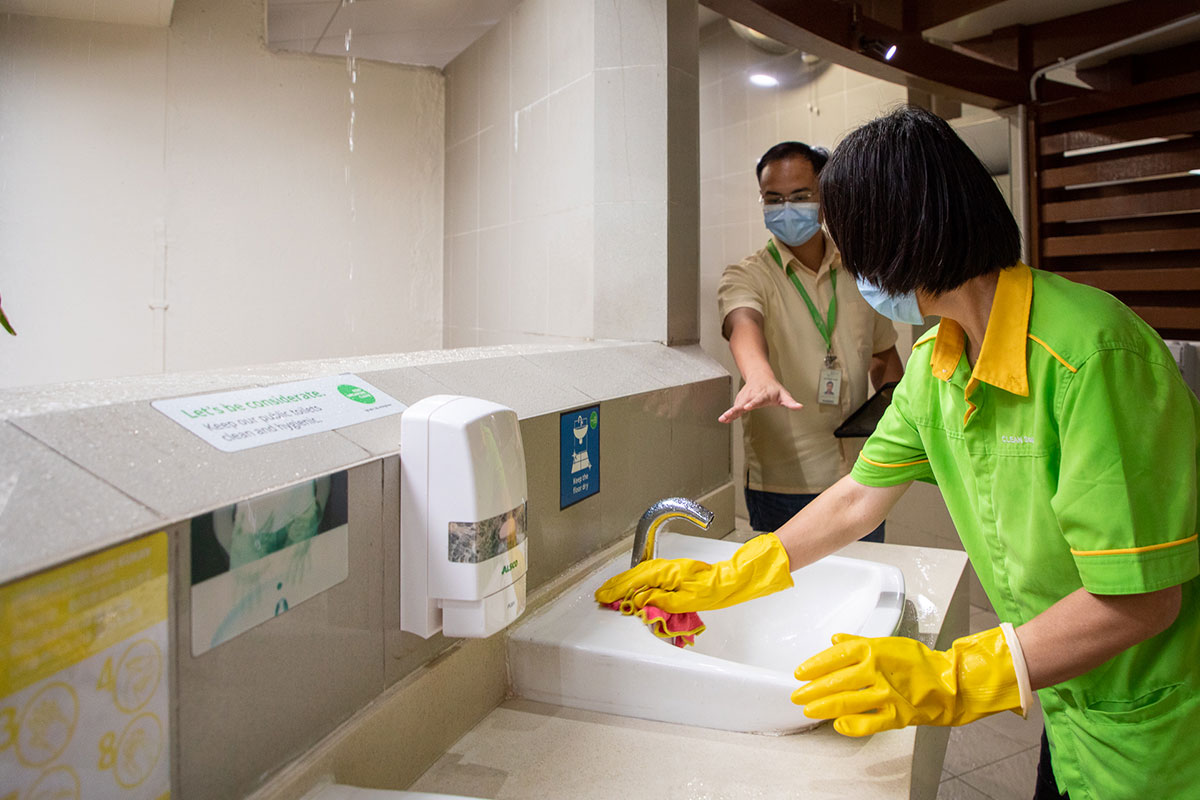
(1068,458)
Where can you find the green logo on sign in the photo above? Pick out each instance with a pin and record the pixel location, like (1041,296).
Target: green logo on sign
(356,394)
(595,420)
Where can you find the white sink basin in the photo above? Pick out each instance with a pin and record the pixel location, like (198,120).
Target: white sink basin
(737,677)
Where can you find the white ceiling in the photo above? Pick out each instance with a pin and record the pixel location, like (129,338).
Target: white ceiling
(433,32)
(707,15)
(155,13)
(422,32)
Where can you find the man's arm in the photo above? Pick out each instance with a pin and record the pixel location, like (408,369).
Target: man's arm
(1083,630)
(885,367)
(743,327)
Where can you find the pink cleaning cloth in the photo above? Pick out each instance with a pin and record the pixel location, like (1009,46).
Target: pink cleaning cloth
(681,629)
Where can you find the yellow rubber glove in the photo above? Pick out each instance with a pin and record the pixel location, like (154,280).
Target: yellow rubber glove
(759,567)
(871,685)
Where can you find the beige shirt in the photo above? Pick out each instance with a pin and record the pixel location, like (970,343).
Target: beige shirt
(795,451)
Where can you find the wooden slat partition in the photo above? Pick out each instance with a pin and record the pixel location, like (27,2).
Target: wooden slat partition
(1124,218)
(1151,223)
(1143,280)
(1180,122)
(1168,317)
(1135,204)
(1168,158)
(1147,92)
(1128,242)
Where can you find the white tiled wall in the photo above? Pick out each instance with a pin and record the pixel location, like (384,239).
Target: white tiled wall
(518,197)
(183,198)
(816,104)
(564,219)
(147,13)
(1187,356)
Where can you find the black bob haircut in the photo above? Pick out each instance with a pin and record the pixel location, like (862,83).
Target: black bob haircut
(911,207)
(817,156)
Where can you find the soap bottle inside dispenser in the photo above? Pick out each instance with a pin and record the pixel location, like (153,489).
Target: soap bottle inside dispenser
(463,517)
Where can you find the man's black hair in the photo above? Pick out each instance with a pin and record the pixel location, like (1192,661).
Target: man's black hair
(911,207)
(817,156)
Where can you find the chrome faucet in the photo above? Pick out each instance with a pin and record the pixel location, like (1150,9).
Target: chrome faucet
(644,544)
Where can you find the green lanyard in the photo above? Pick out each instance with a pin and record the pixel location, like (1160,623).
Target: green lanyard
(824,326)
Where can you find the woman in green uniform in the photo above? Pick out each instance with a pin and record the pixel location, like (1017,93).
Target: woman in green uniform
(1061,434)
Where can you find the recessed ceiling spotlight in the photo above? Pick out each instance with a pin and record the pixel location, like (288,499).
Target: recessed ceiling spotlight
(763,79)
(880,48)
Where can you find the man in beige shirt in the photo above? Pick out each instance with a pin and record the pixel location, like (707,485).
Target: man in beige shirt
(805,342)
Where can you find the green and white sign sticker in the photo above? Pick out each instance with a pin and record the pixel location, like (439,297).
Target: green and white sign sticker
(245,418)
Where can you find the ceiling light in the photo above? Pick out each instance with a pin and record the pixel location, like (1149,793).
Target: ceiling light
(1194,171)
(884,50)
(762,79)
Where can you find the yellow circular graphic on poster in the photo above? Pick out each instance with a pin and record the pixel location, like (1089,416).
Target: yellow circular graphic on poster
(138,750)
(60,783)
(47,724)
(138,673)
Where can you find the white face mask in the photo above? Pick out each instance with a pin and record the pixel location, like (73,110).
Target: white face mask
(793,223)
(901,308)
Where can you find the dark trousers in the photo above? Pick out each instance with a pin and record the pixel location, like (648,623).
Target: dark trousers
(769,510)
(1046,787)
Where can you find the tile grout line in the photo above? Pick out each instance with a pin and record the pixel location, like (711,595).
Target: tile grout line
(963,776)
(963,745)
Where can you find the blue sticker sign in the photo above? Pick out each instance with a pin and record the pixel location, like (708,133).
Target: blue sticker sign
(579,444)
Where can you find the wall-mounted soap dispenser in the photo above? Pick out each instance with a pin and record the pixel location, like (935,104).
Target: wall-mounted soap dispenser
(462,517)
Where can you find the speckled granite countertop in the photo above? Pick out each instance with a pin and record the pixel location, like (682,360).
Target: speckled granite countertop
(92,464)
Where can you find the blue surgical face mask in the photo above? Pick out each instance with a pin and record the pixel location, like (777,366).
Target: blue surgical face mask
(793,223)
(900,307)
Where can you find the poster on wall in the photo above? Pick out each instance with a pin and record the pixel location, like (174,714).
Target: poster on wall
(579,446)
(83,678)
(260,415)
(256,559)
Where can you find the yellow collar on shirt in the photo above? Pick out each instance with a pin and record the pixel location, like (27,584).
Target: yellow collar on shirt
(1002,359)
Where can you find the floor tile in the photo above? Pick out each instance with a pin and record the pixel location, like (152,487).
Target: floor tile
(982,620)
(956,789)
(1012,778)
(974,746)
(1026,731)
(979,598)
(991,759)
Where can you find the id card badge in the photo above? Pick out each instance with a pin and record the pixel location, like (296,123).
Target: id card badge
(829,389)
